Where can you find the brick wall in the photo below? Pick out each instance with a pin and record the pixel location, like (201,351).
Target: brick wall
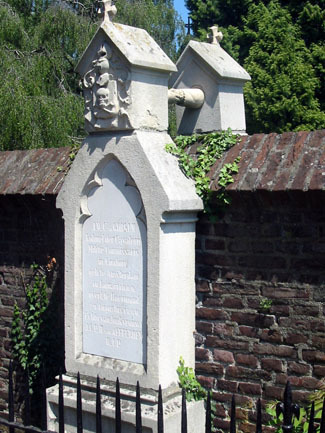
(267,245)
(31,231)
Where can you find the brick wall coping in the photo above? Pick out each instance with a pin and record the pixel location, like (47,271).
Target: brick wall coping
(272,162)
(36,171)
(276,162)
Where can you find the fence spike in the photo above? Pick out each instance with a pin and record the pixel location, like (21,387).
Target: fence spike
(258,416)
(98,408)
(27,400)
(11,408)
(79,405)
(288,409)
(43,399)
(138,420)
(322,423)
(311,418)
(160,412)
(61,405)
(233,415)
(117,408)
(184,412)
(208,415)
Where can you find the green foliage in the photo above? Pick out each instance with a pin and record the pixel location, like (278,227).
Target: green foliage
(26,326)
(158,17)
(301,424)
(40,44)
(265,304)
(40,106)
(281,44)
(281,95)
(211,147)
(188,381)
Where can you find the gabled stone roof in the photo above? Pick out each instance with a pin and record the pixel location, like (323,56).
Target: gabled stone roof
(37,171)
(135,44)
(271,162)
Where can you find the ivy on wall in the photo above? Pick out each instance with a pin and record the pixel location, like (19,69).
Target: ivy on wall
(211,147)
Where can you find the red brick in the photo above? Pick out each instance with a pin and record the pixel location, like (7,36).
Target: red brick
(210,314)
(248,331)
(298,368)
(306,162)
(239,246)
(284,292)
(221,424)
(250,388)
(207,382)
(223,329)
(313,356)
(227,385)
(284,378)
(272,364)
(252,319)
(300,396)
(223,356)
(273,392)
(319,370)
(295,339)
(202,354)
(209,368)
(295,149)
(205,327)
(222,396)
(318,342)
(241,372)
(214,244)
(219,411)
(268,349)
(232,302)
(202,286)
(306,310)
(250,360)
(310,383)
(262,262)
(247,427)
(271,335)
(226,344)
(243,400)
(318,325)
(212,302)
(295,323)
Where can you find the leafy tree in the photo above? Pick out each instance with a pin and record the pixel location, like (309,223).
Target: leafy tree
(40,44)
(281,45)
(158,17)
(40,106)
(281,95)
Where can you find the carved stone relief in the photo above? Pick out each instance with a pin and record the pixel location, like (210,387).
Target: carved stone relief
(106,92)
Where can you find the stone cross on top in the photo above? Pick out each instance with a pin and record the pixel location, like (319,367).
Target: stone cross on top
(107,10)
(215,37)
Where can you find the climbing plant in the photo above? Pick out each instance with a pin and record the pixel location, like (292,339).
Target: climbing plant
(34,344)
(211,147)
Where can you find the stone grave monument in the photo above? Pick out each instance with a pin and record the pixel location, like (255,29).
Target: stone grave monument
(129,217)
(208,88)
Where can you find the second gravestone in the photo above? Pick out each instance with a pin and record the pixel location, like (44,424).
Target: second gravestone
(129,242)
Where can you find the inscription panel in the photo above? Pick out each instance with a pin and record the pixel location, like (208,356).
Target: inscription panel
(114,269)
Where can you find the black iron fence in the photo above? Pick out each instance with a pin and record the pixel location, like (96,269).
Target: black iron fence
(288,409)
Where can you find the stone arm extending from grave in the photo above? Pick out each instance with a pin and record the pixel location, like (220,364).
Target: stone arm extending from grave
(190,98)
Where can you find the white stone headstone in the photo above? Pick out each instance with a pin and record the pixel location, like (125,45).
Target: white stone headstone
(114,264)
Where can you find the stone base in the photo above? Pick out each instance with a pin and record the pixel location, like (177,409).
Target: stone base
(149,406)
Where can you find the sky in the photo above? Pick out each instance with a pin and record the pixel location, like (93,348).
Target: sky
(181,9)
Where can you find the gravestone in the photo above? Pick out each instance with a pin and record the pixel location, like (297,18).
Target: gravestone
(130,218)
(208,68)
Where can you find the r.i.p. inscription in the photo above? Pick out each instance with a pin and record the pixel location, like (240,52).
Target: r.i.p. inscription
(114,269)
